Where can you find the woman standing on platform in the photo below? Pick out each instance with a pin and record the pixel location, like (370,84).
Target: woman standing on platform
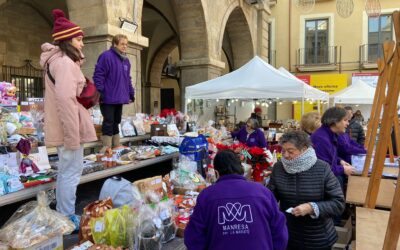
(67,123)
(308,192)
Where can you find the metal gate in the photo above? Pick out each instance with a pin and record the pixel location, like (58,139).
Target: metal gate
(28,80)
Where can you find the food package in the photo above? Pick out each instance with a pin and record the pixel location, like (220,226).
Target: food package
(99,230)
(116,228)
(139,125)
(149,233)
(128,129)
(95,209)
(33,223)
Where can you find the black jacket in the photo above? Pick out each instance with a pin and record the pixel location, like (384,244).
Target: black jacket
(319,185)
(356,131)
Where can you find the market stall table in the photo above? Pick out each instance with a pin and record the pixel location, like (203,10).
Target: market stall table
(371,225)
(53,150)
(357,191)
(31,192)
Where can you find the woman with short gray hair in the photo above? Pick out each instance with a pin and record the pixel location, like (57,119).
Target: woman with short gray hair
(308,192)
(251,134)
(325,141)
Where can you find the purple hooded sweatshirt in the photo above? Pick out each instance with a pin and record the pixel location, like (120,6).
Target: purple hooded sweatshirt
(112,78)
(255,139)
(325,143)
(348,147)
(236,214)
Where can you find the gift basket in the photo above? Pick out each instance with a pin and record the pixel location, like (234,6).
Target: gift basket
(149,233)
(185,177)
(34,223)
(165,211)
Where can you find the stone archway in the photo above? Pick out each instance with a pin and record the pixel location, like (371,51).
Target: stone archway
(193,35)
(237,34)
(25,27)
(155,73)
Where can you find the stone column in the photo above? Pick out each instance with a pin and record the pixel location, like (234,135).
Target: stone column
(100,21)
(263,13)
(197,70)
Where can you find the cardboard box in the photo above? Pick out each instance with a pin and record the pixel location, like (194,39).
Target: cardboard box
(344,235)
(150,184)
(55,243)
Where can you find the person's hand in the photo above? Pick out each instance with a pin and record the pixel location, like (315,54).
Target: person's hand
(348,169)
(302,210)
(132,99)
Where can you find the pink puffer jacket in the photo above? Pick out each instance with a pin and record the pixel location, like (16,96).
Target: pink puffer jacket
(67,122)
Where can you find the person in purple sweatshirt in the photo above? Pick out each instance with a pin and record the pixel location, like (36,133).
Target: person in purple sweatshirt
(251,134)
(235,213)
(113,80)
(347,146)
(325,141)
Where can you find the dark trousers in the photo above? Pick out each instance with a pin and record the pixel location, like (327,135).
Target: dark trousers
(112,114)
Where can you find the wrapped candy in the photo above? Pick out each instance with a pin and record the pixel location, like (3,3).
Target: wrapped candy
(24,146)
(34,223)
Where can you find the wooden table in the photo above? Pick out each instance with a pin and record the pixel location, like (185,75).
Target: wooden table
(371,225)
(31,192)
(357,190)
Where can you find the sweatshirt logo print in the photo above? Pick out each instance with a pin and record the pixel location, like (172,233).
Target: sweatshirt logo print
(234,212)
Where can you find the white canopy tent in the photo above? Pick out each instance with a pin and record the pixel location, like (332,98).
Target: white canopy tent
(255,80)
(357,93)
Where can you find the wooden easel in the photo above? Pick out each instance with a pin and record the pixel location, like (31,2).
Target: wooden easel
(384,68)
(391,75)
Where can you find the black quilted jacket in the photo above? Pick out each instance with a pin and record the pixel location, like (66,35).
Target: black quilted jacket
(319,185)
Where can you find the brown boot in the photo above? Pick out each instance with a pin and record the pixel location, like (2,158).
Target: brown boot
(115,141)
(107,140)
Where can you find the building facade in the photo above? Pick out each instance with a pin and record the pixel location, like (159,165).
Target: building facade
(327,49)
(177,43)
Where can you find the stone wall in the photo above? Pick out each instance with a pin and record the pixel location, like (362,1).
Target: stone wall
(22,33)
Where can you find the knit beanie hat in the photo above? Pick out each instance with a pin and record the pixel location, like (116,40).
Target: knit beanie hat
(63,28)
(257,110)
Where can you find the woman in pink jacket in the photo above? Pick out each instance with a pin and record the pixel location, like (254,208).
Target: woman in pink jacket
(67,123)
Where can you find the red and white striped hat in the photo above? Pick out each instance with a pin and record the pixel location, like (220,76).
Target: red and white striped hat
(63,28)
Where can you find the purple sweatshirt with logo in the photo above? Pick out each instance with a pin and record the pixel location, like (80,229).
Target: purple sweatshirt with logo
(255,139)
(325,143)
(236,214)
(113,79)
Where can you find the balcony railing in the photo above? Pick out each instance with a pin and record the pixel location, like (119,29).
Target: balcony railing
(320,56)
(369,53)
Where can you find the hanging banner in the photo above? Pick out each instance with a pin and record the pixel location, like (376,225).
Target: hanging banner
(330,83)
(369,78)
